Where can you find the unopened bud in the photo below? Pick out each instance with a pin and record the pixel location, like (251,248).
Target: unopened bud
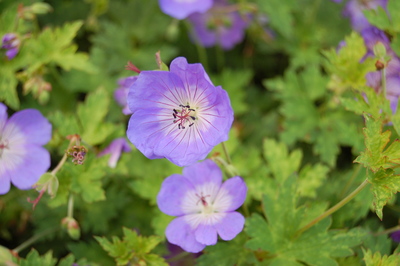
(380,50)
(379,65)
(40,8)
(72,227)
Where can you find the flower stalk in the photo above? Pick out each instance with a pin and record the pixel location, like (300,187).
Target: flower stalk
(334,208)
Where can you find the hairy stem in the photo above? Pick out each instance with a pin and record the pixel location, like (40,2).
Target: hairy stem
(34,238)
(70,206)
(334,208)
(228,158)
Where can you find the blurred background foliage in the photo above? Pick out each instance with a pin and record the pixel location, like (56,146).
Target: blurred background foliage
(293,141)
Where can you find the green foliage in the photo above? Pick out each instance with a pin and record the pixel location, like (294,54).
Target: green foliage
(293,144)
(132,249)
(345,67)
(385,183)
(228,254)
(33,258)
(316,246)
(235,82)
(388,22)
(309,120)
(372,259)
(378,154)
(280,14)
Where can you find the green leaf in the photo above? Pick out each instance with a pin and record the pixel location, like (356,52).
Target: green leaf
(132,248)
(377,259)
(235,83)
(384,183)
(378,17)
(311,178)
(279,14)
(377,155)
(301,115)
(282,163)
(345,67)
(33,258)
(228,253)
(91,116)
(55,46)
(277,236)
(8,86)
(85,180)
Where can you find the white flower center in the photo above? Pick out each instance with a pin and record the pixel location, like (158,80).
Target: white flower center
(206,204)
(3,145)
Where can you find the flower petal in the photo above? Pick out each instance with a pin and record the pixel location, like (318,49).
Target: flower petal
(204,172)
(173,191)
(181,9)
(231,195)
(162,90)
(25,164)
(3,116)
(206,234)
(230,226)
(4,179)
(180,233)
(145,131)
(28,125)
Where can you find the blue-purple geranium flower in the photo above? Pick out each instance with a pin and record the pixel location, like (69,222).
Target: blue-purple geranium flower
(219,26)
(204,205)
(116,147)
(22,158)
(180,9)
(11,43)
(178,114)
(121,94)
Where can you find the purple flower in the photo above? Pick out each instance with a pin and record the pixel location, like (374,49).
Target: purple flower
(205,207)
(178,114)
(22,158)
(180,9)
(218,26)
(354,10)
(121,94)
(372,36)
(11,43)
(395,236)
(116,147)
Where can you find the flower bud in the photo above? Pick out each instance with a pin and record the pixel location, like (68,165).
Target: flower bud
(379,50)
(72,227)
(40,8)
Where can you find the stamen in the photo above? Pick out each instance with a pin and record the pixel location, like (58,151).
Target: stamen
(202,199)
(183,116)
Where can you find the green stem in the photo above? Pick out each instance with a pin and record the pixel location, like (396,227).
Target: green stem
(228,158)
(34,238)
(334,208)
(70,206)
(350,181)
(178,256)
(388,231)
(383,71)
(59,165)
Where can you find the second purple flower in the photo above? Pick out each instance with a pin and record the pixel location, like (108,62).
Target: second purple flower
(179,115)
